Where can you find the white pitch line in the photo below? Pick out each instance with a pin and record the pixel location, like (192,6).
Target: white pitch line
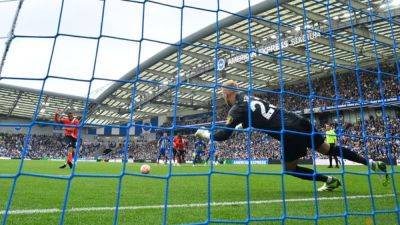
(193,205)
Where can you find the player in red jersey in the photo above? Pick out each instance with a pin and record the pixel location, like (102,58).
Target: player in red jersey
(178,148)
(185,143)
(71,135)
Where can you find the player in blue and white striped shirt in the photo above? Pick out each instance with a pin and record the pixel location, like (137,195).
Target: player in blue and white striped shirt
(163,145)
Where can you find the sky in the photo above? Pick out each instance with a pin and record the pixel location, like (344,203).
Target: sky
(75,57)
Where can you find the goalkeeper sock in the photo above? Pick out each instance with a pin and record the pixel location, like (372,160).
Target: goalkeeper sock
(348,154)
(307,174)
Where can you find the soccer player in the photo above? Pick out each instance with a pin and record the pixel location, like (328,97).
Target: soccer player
(71,135)
(330,135)
(178,149)
(268,117)
(163,145)
(185,143)
(199,148)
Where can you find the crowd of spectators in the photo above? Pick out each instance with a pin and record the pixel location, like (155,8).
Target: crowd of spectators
(348,88)
(39,146)
(372,141)
(48,146)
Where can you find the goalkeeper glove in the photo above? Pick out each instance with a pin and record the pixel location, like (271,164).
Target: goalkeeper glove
(239,126)
(201,133)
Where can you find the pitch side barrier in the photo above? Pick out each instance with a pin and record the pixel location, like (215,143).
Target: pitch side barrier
(326,161)
(396,161)
(305,161)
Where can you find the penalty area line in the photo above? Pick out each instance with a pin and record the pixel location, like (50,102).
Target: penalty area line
(192,205)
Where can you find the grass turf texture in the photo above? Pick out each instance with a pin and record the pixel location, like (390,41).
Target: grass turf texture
(188,195)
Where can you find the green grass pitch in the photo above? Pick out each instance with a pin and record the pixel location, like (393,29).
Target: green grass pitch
(92,200)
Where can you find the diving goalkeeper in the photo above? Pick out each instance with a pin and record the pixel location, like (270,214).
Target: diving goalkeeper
(268,117)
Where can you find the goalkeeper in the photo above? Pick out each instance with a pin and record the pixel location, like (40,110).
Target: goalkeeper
(295,143)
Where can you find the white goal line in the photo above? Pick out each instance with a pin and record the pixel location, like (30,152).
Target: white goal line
(192,205)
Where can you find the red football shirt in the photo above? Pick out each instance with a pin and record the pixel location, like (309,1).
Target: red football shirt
(178,143)
(69,131)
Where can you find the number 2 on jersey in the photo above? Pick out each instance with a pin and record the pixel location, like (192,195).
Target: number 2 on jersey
(266,115)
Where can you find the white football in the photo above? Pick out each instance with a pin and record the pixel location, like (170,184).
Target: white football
(145,169)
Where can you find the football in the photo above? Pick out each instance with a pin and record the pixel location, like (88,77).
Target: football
(145,169)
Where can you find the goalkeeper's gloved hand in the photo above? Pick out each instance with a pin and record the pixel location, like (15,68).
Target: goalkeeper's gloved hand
(239,126)
(202,133)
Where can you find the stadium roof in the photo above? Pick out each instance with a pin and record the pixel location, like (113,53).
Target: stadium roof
(369,38)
